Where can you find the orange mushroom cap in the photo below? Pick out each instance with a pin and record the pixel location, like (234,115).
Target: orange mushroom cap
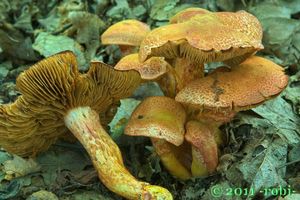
(224,36)
(149,70)
(243,87)
(187,14)
(158,117)
(127,32)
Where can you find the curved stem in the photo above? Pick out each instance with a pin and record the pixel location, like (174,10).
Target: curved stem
(84,123)
(172,159)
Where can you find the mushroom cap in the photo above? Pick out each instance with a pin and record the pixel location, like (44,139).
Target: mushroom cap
(127,32)
(241,88)
(49,89)
(187,14)
(149,70)
(204,145)
(207,37)
(158,117)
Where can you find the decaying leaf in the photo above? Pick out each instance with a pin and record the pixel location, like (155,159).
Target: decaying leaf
(13,44)
(11,189)
(42,195)
(147,89)
(280,114)
(18,167)
(292,92)
(86,28)
(47,44)
(162,10)
(120,10)
(90,195)
(55,161)
(261,170)
(290,197)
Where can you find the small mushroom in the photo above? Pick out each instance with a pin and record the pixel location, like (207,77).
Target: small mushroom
(149,70)
(162,119)
(153,69)
(158,117)
(128,34)
(56,97)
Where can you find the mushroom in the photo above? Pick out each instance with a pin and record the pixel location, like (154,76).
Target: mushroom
(153,69)
(128,34)
(149,70)
(206,37)
(56,97)
(239,88)
(198,36)
(216,98)
(187,14)
(162,119)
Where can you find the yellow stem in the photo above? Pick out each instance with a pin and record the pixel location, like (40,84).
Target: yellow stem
(84,123)
(187,71)
(171,159)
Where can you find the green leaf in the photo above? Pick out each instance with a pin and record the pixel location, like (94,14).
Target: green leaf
(11,189)
(268,9)
(122,116)
(42,195)
(261,168)
(4,156)
(18,167)
(47,45)
(280,114)
(292,92)
(86,195)
(55,160)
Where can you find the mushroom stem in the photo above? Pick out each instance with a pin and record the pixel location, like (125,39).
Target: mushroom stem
(106,156)
(188,71)
(126,49)
(171,159)
(168,82)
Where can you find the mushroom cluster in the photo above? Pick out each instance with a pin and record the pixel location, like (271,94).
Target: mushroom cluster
(184,125)
(57,98)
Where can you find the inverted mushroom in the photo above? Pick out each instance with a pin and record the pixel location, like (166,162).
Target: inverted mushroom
(128,34)
(56,97)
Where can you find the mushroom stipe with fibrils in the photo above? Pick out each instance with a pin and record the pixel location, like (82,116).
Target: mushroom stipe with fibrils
(56,97)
